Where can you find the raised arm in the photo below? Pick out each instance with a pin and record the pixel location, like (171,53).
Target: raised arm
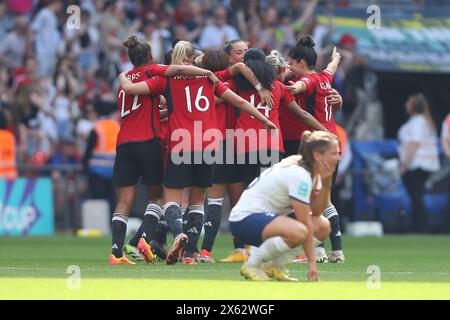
(308,12)
(335,59)
(230,97)
(266,95)
(305,116)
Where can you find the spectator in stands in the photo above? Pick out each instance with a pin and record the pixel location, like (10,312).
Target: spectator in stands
(83,43)
(195,22)
(217,33)
(5,90)
(5,20)
(445,138)
(16,43)
(154,37)
(418,155)
(47,37)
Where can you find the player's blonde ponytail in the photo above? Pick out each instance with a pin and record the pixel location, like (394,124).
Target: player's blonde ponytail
(276,60)
(183,53)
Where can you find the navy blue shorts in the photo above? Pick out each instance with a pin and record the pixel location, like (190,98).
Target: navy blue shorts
(250,229)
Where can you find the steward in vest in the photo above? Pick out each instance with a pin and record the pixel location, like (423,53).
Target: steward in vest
(98,159)
(8,168)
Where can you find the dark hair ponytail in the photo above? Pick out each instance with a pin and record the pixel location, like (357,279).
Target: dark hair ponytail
(138,50)
(306,41)
(304,49)
(255,60)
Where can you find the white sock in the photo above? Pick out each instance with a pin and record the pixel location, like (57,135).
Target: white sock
(252,249)
(270,249)
(319,251)
(287,257)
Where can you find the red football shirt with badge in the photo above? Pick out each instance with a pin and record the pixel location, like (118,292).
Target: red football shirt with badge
(192,109)
(313,100)
(139,114)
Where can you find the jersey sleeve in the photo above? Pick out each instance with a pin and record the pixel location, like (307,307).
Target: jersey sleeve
(156,85)
(220,89)
(327,75)
(157,69)
(286,96)
(309,85)
(223,75)
(300,186)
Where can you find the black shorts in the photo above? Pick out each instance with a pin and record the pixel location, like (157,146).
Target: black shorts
(223,168)
(188,173)
(136,160)
(251,169)
(290,147)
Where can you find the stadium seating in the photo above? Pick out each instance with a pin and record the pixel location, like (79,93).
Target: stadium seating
(379,195)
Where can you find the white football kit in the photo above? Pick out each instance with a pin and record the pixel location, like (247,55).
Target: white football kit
(273,191)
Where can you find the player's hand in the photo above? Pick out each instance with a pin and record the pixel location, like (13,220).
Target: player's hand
(335,55)
(123,78)
(213,78)
(293,87)
(325,168)
(334,98)
(270,125)
(313,274)
(266,97)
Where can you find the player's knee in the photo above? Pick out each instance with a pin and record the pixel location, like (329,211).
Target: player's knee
(322,229)
(297,235)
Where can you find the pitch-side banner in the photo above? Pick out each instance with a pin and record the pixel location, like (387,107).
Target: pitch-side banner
(406,40)
(26,207)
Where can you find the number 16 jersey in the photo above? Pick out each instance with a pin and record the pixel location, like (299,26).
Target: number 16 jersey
(192,109)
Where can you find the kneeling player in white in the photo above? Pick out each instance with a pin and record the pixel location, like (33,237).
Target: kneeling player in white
(259,218)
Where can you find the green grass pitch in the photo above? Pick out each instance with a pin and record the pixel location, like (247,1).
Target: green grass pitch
(411,267)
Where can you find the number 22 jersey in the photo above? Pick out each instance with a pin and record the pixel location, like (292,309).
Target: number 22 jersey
(139,114)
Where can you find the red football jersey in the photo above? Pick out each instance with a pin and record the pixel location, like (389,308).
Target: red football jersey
(139,114)
(314,101)
(226,117)
(244,121)
(191,105)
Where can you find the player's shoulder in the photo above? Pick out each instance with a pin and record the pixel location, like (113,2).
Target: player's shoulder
(418,120)
(292,171)
(309,78)
(300,173)
(223,75)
